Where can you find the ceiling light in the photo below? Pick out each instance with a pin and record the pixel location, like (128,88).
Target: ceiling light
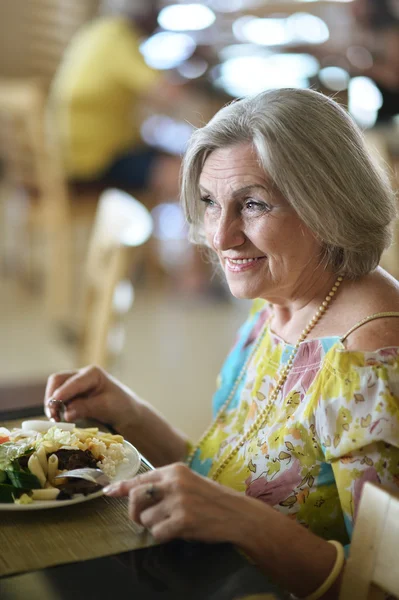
(193,68)
(166,50)
(186,17)
(298,28)
(334,78)
(247,75)
(364,100)
(304,27)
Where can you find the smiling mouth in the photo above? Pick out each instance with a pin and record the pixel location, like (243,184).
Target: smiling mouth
(243,261)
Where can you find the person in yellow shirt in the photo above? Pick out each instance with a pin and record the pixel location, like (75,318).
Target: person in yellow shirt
(94,104)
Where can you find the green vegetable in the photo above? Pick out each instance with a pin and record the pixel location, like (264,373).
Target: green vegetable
(23,479)
(9,451)
(9,492)
(3,476)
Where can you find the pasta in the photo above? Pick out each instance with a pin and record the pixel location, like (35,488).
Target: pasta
(42,456)
(35,468)
(52,468)
(45,494)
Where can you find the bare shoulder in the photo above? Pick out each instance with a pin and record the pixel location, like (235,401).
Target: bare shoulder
(377,294)
(380,333)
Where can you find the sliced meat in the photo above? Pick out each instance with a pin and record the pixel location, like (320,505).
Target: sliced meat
(75,459)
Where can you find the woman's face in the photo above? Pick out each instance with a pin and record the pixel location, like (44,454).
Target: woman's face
(265,250)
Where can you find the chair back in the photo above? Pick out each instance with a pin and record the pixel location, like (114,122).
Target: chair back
(28,161)
(122,225)
(34,186)
(371,570)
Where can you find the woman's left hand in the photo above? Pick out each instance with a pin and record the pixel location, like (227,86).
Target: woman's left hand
(174,502)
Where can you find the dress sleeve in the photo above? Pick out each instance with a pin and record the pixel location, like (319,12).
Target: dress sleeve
(357,420)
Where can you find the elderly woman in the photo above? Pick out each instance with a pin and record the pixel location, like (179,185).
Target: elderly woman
(281,188)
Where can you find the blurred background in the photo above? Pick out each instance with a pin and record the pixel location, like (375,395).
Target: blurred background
(97,101)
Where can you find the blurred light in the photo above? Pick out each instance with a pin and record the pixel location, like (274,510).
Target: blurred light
(236,50)
(266,32)
(166,133)
(303,65)
(186,17)
(365,93)
(166,50)
(364,100)
(359,57)
(193,68)
(169,222)
(297,28)
(252,74)
(304,27)
(123,297)
(334,78)
(125,217)
(227,6)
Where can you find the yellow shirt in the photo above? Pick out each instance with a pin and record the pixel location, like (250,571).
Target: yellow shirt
(95,93)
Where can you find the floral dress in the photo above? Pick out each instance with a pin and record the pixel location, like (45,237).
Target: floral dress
(334,426)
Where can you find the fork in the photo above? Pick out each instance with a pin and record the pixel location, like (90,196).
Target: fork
(93,475)
(97,475)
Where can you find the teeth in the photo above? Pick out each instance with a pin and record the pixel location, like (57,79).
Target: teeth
(242,261)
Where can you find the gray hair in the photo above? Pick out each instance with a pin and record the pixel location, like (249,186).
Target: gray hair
(317,158)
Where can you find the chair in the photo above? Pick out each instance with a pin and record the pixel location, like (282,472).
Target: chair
(35,198)
(121,227)
(372,567)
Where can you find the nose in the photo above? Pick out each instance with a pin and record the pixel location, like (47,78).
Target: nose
(228,233)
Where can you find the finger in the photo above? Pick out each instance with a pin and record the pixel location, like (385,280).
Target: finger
(151,515)
(79,408)
(53,383)
(166,530)
(122,488)
(81,383)
(144,497)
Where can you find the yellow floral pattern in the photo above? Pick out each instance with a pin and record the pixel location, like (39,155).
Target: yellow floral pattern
(334,426)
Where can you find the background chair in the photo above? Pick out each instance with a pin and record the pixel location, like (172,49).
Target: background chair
(372,567)
(38,211)
(121,227)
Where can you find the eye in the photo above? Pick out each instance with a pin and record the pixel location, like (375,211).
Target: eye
(255,206)
(207,201)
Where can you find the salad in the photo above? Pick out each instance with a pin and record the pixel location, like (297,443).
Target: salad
(31,457)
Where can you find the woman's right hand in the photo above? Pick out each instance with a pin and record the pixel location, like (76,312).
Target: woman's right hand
(90,392)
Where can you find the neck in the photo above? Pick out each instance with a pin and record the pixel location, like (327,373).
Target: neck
(292,313)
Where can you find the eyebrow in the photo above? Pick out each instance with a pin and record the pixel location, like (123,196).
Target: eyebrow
(242,190)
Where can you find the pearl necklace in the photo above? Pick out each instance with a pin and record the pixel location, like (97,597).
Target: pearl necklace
(263,415)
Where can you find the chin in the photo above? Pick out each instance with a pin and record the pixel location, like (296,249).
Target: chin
(242,292)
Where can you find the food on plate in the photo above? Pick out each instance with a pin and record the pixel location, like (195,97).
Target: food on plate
(32,456)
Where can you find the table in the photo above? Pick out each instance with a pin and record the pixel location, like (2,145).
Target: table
(179,569)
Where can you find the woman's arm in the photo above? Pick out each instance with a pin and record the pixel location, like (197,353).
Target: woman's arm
(293,556)
(150,432)
(183,504)
(92,393)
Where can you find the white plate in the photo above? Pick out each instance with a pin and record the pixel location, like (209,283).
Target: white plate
(123,471)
